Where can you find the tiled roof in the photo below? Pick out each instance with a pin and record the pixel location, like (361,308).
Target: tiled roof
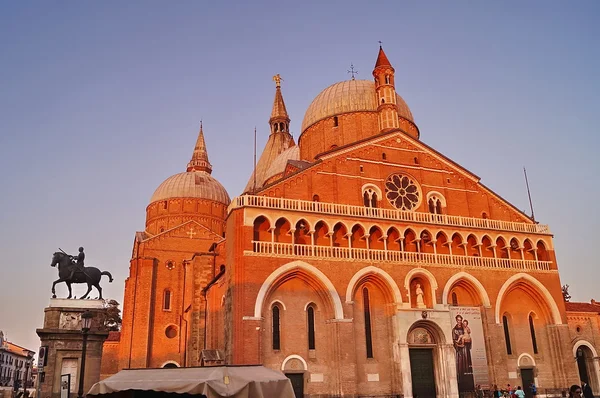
(113,336)
(191,184)
(348,96)
(583,307)
(382,59)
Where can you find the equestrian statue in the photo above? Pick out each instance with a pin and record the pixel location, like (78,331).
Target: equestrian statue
(71,269)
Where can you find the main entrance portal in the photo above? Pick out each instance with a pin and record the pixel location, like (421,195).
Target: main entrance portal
(421,368)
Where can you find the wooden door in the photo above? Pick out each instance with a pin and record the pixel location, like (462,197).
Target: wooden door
(297,380)
(527,379)
(421,368)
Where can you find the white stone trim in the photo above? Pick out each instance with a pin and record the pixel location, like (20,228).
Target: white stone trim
(485,299)
(278,302)
(335,298)
(350,176)
(432,282)
(374,188)
(441,197)
(168,362)
(586,343)
(542,289)
(377,271)
(293,356)
(525,355)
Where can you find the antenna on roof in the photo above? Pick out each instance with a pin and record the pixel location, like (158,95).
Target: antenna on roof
(529,194)
(254,173)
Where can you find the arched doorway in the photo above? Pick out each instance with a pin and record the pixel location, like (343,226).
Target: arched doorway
(428,354)
(585,365)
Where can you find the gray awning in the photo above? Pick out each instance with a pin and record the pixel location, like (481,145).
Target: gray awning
(213,382)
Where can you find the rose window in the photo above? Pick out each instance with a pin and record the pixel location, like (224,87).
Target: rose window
(402,192)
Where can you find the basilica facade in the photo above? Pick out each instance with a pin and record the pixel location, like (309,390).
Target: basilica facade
(358,260)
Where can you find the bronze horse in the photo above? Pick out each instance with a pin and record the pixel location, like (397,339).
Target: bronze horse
(90,275)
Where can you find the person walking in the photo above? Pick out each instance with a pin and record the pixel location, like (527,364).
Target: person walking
(586,390)
(533,389)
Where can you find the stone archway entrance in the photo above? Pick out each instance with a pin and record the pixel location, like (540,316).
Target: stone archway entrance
(422,372)
(422,349)
(585,365)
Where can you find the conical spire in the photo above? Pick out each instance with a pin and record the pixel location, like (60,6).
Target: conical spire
(382,59)
(199,160)
(280,120)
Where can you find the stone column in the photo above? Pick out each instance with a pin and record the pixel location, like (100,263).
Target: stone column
(62,335)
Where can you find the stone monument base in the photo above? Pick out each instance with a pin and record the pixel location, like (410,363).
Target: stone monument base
(63,338)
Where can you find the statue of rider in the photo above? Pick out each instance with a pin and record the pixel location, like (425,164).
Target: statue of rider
(78,262)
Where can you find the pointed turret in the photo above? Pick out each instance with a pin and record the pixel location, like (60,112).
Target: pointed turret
(386,93)
(382,59)
(279,140)
(199,160)
(279,121)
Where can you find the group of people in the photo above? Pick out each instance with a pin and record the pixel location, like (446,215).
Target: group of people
(511,392)
(576,391)
(583,391)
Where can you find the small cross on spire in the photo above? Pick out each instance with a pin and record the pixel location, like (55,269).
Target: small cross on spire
(352,71)
(380,43)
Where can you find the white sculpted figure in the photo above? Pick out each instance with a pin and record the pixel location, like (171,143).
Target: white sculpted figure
(419,293)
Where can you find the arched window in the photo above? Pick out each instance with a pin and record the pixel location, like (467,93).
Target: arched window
(383,156)
(276,328)
(310,312)
(436,202)
(167,300)
(532,331)
(367,310)
(370,197)
(165,205)
(335,121)
(387,79)
(506,335)
(454,299)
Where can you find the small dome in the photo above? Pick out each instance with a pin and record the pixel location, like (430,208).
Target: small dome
(348,96)
(280,162)
(191,184)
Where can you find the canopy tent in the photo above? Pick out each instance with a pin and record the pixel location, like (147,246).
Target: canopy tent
(209,382)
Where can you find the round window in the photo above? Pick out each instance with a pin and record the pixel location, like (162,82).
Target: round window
(402,192)
(170,265)
(171,332)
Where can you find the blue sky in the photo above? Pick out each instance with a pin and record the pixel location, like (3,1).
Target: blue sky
(101,101)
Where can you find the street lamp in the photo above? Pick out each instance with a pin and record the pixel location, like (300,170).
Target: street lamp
(86,322)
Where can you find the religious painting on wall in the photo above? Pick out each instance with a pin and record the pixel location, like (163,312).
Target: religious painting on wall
(469,343)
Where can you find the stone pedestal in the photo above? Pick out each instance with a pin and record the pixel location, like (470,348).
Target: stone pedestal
(63,337)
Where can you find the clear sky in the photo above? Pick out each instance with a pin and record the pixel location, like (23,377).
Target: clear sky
(101,101)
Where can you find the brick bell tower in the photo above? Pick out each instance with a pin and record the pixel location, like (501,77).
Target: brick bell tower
(386,93)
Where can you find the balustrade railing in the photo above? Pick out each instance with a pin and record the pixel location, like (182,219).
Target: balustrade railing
(359,254)
(386,214)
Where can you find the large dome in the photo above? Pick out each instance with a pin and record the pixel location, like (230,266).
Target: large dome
(191,184)
(348,96)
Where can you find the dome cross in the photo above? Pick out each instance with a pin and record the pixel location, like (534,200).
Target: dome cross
(352,71)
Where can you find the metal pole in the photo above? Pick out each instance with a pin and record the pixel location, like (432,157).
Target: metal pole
(529,194)
(39,381)
(82,372)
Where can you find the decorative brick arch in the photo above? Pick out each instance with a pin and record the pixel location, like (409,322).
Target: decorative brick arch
(485,299)
(421,271)
(170,363)
(554,311)
(525,355)
(293,356)
(585,343)
(376,271)
(294,265)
